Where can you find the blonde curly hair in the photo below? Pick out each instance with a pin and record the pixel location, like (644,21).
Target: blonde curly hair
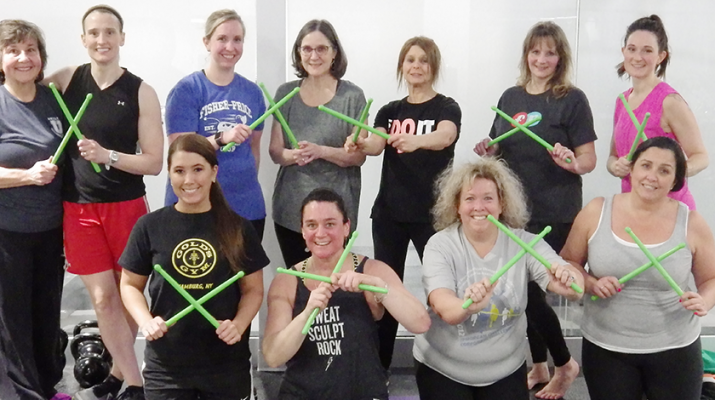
(510,190)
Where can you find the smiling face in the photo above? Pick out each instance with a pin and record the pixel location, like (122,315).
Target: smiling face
(476,201)
(21,62)
(323,228)
(191,178)
(653,173)
(226,44)
(416,68)
(543,59)
(316,54)
(102,37)
(641,55)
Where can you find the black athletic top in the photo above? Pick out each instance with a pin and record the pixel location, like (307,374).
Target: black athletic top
(111,119)
(339,357)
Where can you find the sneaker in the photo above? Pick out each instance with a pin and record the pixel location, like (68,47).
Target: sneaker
(61,396)
(132,393)
(106,390)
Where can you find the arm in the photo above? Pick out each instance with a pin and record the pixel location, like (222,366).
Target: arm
(371,145)
(131,289)
(256,147)
(251,299)
(42,173)
(583,158)
(151,140)
(61,78)
(283,337)
(561,277)
(448,306)
(575,251)
(277,150)
(701,242)
(617,166)
(679,119)
(405,307)
(442,137)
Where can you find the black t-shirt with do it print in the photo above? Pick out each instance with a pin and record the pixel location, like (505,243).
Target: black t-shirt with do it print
(406,188)
(186,246)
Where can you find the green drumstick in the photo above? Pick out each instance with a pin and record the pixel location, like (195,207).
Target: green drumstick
(528,249)
(71,120)
(511,262)
(265,115)
(353,122)
(511,132)
(68,135)
(186,295)
(279,117)
(655,262)
(526,130)
(337,268)
(208,296)
(363,117)
(305,275)
(644,267)
(639,127)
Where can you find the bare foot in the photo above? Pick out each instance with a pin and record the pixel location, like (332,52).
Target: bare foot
(539,374)
(560,383)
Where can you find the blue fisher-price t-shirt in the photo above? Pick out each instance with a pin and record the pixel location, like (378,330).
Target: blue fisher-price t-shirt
(196,104)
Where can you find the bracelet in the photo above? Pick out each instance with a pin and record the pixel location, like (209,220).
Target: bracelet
(380,297)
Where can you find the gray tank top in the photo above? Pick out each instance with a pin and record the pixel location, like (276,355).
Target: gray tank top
(646,315)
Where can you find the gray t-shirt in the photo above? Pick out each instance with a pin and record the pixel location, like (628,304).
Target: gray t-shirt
(646,316)
(491,344)
(294,182)
(30,132)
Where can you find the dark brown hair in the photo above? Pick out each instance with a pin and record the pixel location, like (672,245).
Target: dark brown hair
(654,25)
(666,143)
(228,223)
(340,63)
(14,31)
(103,8)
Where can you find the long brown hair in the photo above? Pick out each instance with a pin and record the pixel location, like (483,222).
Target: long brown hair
(560,83)
(228,223)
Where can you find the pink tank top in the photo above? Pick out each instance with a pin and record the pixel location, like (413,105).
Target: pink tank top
(625,132)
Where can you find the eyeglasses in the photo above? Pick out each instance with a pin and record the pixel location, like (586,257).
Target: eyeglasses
(321,50)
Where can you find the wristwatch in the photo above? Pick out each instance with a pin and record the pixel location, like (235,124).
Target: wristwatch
(217,138)
(113,158)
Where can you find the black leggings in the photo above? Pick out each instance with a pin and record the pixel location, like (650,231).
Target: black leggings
(544,328)
(434,386)
(665,375)
(391,240)
(292,245)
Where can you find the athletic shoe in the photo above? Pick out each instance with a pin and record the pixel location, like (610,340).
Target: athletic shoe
(132,393)
(106,390)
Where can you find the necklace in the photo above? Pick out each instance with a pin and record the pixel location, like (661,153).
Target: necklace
(304,266)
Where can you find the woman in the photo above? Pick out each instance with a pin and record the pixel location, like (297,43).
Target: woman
(220,104)
(192,360)
(101,208)
(553,186)
(423,128)
(645,58)
(637,331)
(31,261)
(479,353)
(320,161)
(339,358)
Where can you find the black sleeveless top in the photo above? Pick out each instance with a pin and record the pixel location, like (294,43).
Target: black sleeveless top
(111,119)
(339,357)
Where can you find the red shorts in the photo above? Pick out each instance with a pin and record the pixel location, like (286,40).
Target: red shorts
(96,233)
